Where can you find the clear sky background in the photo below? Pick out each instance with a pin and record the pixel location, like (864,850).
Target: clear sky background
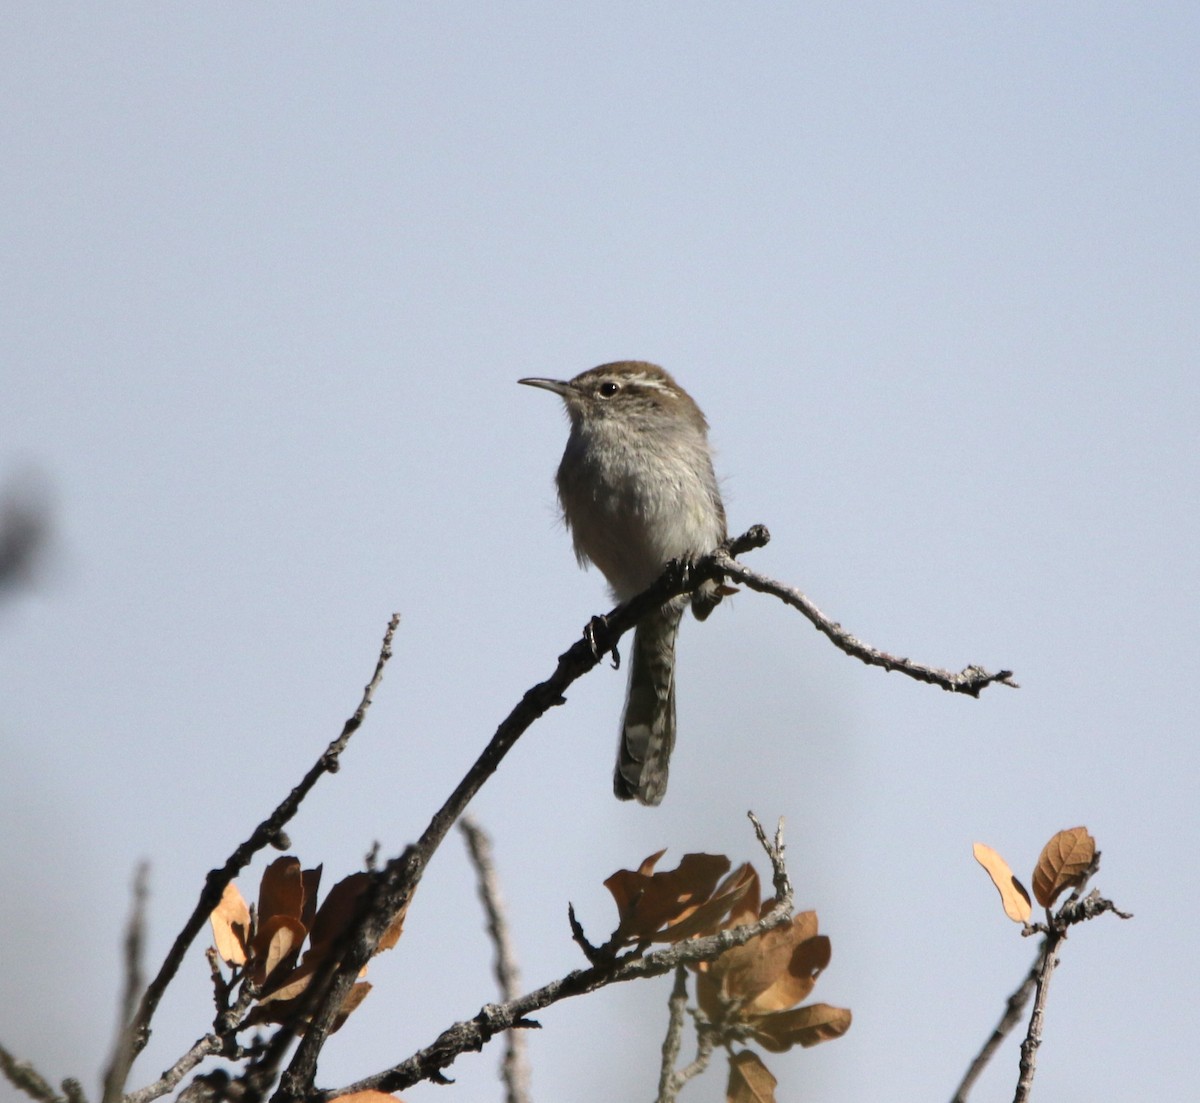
(270,274)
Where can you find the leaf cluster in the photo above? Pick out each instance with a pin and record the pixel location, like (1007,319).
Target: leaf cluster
(263,944)
(750,991)
(1065,862)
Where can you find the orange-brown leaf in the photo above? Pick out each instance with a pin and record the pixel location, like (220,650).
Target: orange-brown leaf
(796,982)
(749,1079)
(338,909)
(706,918)
(647,902)
(745,971)
(804,1026)
(354,997)
(1012,893)
(776,969)
(230,921)
(282,890)
(289,985)
(1062,864)
(395,929)
(276,943)
(749,904)
(310,879)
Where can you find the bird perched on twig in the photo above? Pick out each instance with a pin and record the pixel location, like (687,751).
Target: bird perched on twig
(637,490)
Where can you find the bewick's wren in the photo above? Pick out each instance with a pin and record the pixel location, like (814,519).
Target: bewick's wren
(637,489)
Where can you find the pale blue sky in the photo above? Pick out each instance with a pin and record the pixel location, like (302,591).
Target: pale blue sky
(270,275)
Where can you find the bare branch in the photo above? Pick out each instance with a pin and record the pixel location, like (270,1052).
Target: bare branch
(972,680)
(118,1066)
(673,1041)
(670,1080)
(208,1046)
(265,834)
(24,1077)
(1013,1010)
(515,1068)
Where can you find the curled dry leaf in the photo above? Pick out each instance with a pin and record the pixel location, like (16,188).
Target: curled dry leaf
(1012,893)
(1064,861)
(754,985)
(281,891)
(802,1026)
(230,921)
(664,906)
(750,1081)
(772,971)
(276,944)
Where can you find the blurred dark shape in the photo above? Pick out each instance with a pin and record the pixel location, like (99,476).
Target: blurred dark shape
(24,531)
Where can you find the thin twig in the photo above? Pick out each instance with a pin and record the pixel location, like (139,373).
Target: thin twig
(472,1034)
(24,1077)
(122,1058)
(972,680)
(1013,1010)
(673,1040)
(265,834)
(705,1043)
(208,1046)
(514,1069)
(671,1080)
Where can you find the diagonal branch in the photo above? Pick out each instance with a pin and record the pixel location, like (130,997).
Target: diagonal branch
(267,833)
(1014,1008)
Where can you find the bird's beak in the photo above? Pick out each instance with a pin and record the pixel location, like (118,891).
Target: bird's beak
(558,386)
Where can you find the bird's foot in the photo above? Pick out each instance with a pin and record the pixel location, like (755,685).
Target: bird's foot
(596,624)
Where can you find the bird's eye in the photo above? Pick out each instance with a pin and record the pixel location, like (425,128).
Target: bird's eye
(607,390)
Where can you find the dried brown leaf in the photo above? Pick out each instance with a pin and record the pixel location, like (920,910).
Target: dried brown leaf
(706,918)
(289,985)
(338,909)
(276,943)
(796,982)
(647,901)
(748,908)
(1062,864)
(311,881)
(230,921)
(395,929)
(354,997)
(1013,895)
(749,1079)
(282,890)
(745,971)
(804,1026)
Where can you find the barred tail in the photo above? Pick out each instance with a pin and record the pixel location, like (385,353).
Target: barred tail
(648,726)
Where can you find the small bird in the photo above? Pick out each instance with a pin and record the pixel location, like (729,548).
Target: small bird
(637,490)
